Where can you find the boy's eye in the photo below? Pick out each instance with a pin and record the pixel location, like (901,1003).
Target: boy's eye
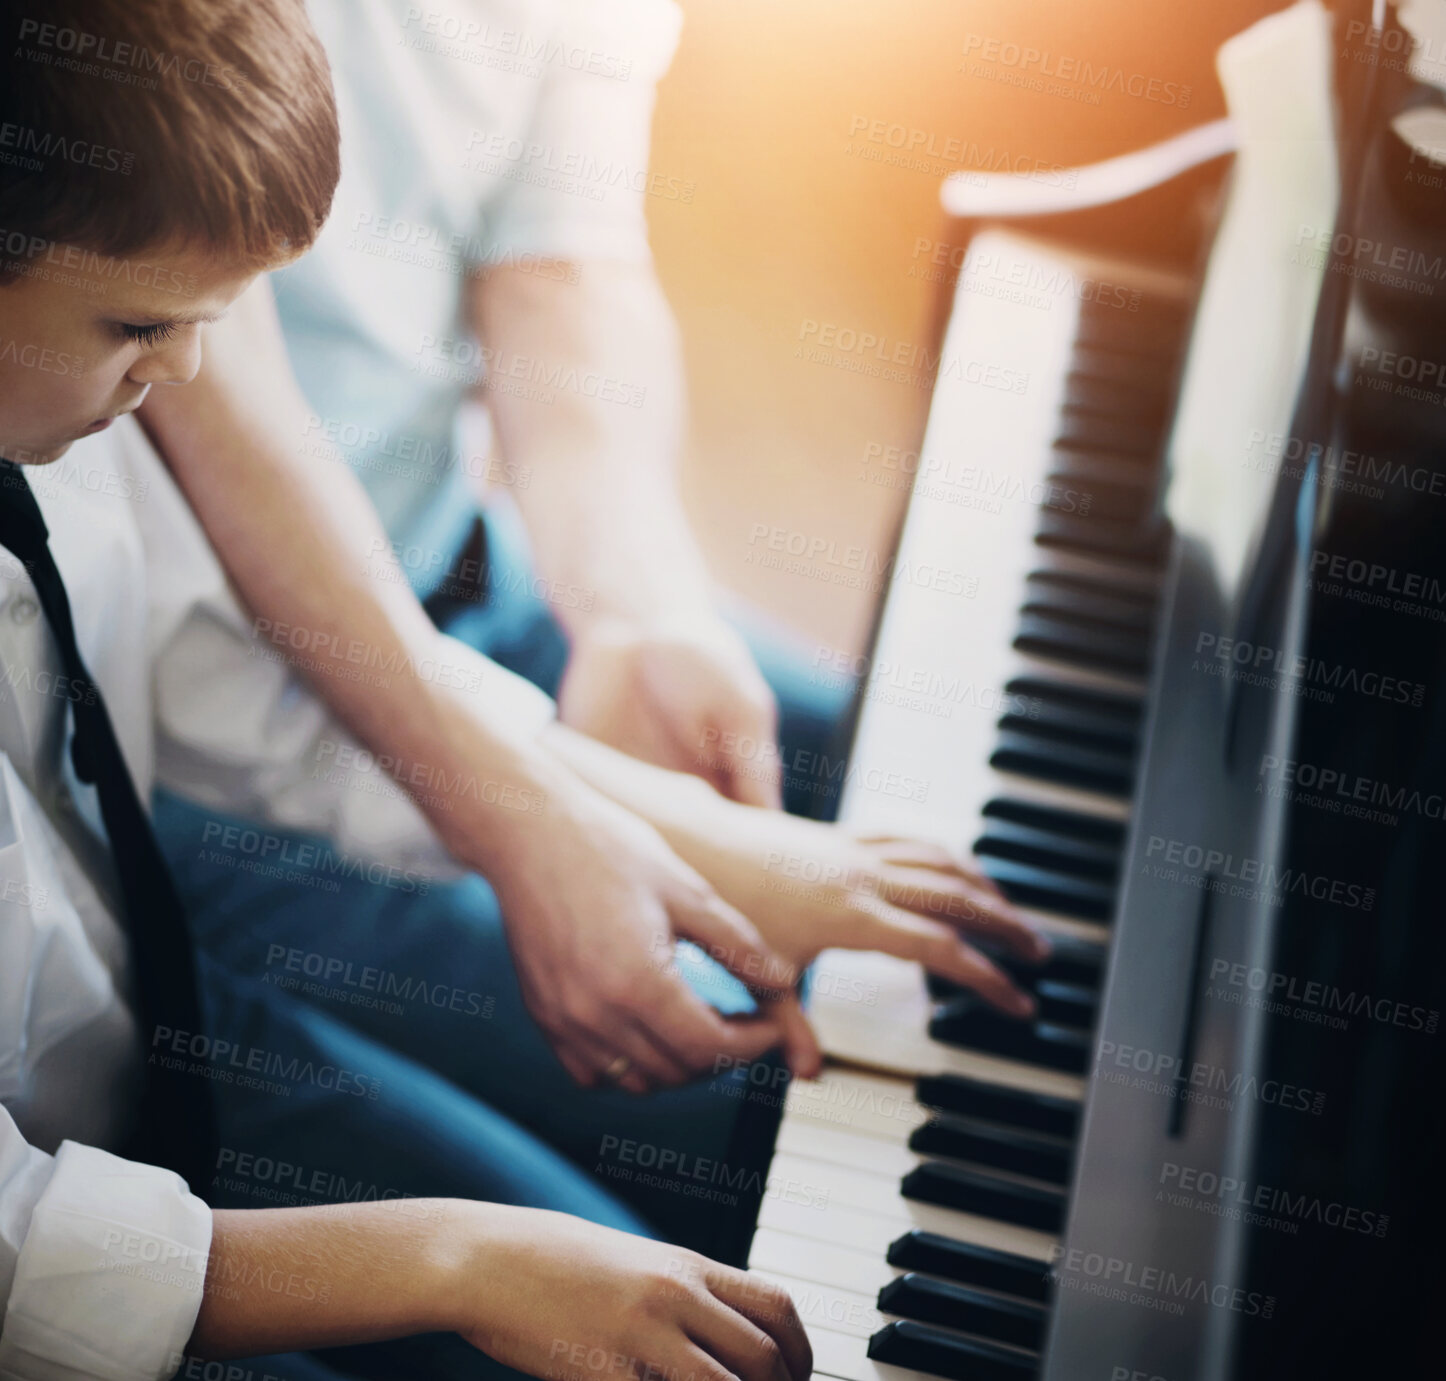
(149,335)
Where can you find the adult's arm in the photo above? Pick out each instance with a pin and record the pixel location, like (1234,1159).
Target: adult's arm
(589,892)
(653,669)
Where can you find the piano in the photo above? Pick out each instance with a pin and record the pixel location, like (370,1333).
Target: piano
(1215,1151)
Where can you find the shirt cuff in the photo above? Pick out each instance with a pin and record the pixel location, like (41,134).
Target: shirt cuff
(109,1279)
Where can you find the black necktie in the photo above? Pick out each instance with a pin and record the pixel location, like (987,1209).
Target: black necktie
(177,1122)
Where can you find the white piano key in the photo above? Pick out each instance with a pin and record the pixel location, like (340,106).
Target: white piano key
(827,1263)
(822,1306)
(845,1357)
(830,1203)
(892,1033)
(865,1104)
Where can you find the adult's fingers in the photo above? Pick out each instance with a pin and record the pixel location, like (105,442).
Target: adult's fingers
(951,897)
(728,937)
(771,1308)
(695,1034)
(746,757)
(801,1051)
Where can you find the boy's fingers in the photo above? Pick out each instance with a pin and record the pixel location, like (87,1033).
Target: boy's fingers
(772,1309)
(958,902)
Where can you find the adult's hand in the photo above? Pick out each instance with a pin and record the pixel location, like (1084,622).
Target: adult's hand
(682,693)
(593,899)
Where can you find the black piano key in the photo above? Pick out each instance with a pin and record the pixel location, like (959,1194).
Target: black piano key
(998,1103)
(1090,769)
(1128,372)
(1154,326)
(1131,396)
(922,1347)
(1114,434)
(1098,600)
(1017,1321)
(1064,722)
(1036,1154)
(1063,853)
(1026,884)
(1029,884)
(971,1264)
(1144,544)
(1100,496)
(967,1023)
(1066,1004)
(1039,1206)
(1056,819)
(1128,707)
(1073,961)
(1078,641)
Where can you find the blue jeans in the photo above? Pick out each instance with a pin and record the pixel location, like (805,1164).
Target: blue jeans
(410,988)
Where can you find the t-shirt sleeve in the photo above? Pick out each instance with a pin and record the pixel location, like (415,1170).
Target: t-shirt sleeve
(580,177)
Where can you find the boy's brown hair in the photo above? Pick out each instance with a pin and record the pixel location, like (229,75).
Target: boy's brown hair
(133,124)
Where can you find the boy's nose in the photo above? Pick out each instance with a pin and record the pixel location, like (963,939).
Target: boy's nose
(176,362)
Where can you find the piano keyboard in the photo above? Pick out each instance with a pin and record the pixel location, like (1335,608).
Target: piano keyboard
(917,1190)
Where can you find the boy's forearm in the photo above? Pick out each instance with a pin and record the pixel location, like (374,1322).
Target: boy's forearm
(602,504)
(287,1279)
(304,546)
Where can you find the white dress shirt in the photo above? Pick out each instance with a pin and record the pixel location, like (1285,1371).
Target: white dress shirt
(102,1260)
(475,133)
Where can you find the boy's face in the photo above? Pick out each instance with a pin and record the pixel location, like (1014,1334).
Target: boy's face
(80,346)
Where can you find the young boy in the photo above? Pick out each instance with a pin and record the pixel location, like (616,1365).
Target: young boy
(155,159)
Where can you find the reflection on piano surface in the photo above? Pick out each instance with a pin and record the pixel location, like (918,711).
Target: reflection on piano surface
(967,1196)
